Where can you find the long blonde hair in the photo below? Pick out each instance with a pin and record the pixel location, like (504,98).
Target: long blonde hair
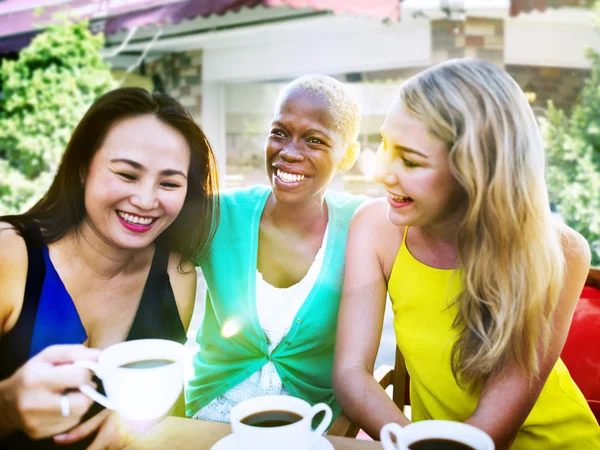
(508,249)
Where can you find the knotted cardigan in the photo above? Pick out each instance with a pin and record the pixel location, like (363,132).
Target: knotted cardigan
(304,358)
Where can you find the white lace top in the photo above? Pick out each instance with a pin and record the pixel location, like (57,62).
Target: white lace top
(276,309)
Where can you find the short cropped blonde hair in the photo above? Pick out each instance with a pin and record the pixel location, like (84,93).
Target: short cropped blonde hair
(342,107)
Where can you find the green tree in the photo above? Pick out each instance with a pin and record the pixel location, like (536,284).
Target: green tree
(573,156)
(45,92)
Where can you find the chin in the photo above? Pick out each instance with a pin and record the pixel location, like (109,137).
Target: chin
(395,219)
(286,197)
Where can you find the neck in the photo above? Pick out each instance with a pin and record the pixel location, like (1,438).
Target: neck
(439,236)
(89,249)
(439,243)
(303,217)
(443,233)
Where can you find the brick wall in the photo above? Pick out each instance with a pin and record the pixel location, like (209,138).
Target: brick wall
(475,37)
(181,75)
(484,38)
(561,85)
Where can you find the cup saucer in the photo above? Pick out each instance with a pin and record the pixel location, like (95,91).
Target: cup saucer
(228,443)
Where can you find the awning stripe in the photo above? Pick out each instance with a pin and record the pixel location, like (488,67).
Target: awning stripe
(523,6)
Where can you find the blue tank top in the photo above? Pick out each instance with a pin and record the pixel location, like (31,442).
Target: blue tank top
(49,317)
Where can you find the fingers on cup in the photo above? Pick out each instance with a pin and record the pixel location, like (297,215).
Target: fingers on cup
(69,376)
(65,354)
(79,403)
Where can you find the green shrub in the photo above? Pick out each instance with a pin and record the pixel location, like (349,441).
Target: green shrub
(573,155)
(45,92)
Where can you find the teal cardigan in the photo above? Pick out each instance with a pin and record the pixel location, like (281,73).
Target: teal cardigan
(304,358)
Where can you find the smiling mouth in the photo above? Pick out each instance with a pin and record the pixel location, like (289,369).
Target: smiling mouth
(399,198)
(289,177)
(136,220)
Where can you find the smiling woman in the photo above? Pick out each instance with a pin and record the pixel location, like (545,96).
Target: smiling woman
(102,258)
(276,265)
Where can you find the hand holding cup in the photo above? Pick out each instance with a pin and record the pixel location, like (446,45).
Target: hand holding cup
(41,398)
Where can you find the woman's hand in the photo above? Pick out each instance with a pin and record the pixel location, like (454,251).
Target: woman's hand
(30,400)
(114,432)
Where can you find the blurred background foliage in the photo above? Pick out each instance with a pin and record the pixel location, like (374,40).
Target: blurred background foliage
(573,155)
(45,92)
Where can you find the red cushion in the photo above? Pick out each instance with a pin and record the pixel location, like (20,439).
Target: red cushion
(581,353)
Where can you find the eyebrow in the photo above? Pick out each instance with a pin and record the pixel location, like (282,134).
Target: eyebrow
(311,130)
(314,130)
(137,165)
(409,150)
(401,148)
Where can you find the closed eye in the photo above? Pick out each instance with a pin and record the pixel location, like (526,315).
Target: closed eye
(127,176)
(409,163)
(170,185)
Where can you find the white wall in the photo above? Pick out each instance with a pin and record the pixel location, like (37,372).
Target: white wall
(331,45)
(555,38)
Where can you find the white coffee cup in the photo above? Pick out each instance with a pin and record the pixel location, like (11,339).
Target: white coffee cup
(295,436)
(434,429)
(138,393)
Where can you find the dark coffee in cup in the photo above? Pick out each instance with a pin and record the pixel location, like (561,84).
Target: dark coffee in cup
(147,363)
(273,418)
(439,444)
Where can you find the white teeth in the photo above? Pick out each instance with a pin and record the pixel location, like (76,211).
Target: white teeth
(135,220)
(289,177)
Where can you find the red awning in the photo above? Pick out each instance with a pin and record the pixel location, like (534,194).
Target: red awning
(519,6)
(376,8)
(22,16)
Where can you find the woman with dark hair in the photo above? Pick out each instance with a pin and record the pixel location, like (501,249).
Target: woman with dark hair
(102,258)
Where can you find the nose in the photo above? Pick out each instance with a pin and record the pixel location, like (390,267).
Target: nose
(385,168)
(291,153)
(144,198)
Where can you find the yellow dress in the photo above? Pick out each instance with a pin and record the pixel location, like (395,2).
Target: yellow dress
(420,294)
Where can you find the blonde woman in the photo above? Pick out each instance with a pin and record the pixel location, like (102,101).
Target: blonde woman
(483,284)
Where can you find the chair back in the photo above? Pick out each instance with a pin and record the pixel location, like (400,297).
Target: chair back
(581,352)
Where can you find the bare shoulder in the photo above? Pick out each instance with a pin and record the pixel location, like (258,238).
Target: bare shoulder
(370,225)
(183,282)
(575,248)
(577,257)
(13,251)
(371,216)
(13,274)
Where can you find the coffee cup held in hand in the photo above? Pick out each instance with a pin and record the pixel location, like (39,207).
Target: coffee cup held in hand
(276,422)
(434,435)
(142,378)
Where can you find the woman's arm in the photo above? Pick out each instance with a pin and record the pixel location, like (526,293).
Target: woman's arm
(360,323)
(507,399)
(184,290)
(30,398)
(184,287)
(13,276)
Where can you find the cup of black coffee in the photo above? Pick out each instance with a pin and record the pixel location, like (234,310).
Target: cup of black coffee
(142,378)
(435,435)
(277,422)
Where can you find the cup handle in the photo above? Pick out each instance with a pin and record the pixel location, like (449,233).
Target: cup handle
(316,409)
(91,392)
(386,433)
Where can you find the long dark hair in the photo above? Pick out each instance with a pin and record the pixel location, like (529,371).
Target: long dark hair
(62,207)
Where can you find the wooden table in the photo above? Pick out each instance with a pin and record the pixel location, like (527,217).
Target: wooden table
(174,433)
